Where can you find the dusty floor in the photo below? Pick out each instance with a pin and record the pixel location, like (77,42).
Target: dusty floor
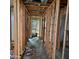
(38,52)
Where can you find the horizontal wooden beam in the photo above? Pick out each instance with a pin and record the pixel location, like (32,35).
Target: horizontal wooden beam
(36,13)
(37,4)
(36,7)
(36,17)
(36,10)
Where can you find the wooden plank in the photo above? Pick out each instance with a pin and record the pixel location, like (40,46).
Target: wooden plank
(34,7)
(40,27)
(30,25)
(36,10)
(43,23)
(22,26)
(52,4)
(19,28)
(15,30)
(36,17)
(55,27)
(18,4)
(27,11)
(37,3)
(52,28)
(48,30)
(66,19)
(36,14)
(58,38)
(27,25)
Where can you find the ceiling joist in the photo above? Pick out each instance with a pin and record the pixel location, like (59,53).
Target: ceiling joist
(38,8)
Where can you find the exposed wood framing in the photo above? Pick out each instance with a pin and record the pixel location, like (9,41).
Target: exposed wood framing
(58,38)
(15,30)
(19,47)
(62,12)
(56,23)
(43,28)
(66,19)
(28,26)
(37,8)
(49,14)
(37,3)
(51,18)
(19,28)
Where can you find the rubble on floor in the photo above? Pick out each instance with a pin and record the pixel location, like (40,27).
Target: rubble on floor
(35,50)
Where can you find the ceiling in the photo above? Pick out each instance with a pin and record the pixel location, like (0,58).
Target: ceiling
(38,8)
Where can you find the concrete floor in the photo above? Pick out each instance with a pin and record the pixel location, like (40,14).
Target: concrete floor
(59,54)
(38,51)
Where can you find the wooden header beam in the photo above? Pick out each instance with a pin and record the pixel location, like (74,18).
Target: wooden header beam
(30,8)
(36,8)
(37,4)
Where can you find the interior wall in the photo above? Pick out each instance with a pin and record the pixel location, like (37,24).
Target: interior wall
(61,24)
(26,25)
(20,27)
(51,24)
(60,37)
(48,39)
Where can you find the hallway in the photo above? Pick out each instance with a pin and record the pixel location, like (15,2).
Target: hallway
(39,29)
(37,50)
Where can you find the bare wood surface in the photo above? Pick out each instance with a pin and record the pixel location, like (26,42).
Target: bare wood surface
(15,30)
(55,27)
(66,19)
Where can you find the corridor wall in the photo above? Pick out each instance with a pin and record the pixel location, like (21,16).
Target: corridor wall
(51,24)
(20,23)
